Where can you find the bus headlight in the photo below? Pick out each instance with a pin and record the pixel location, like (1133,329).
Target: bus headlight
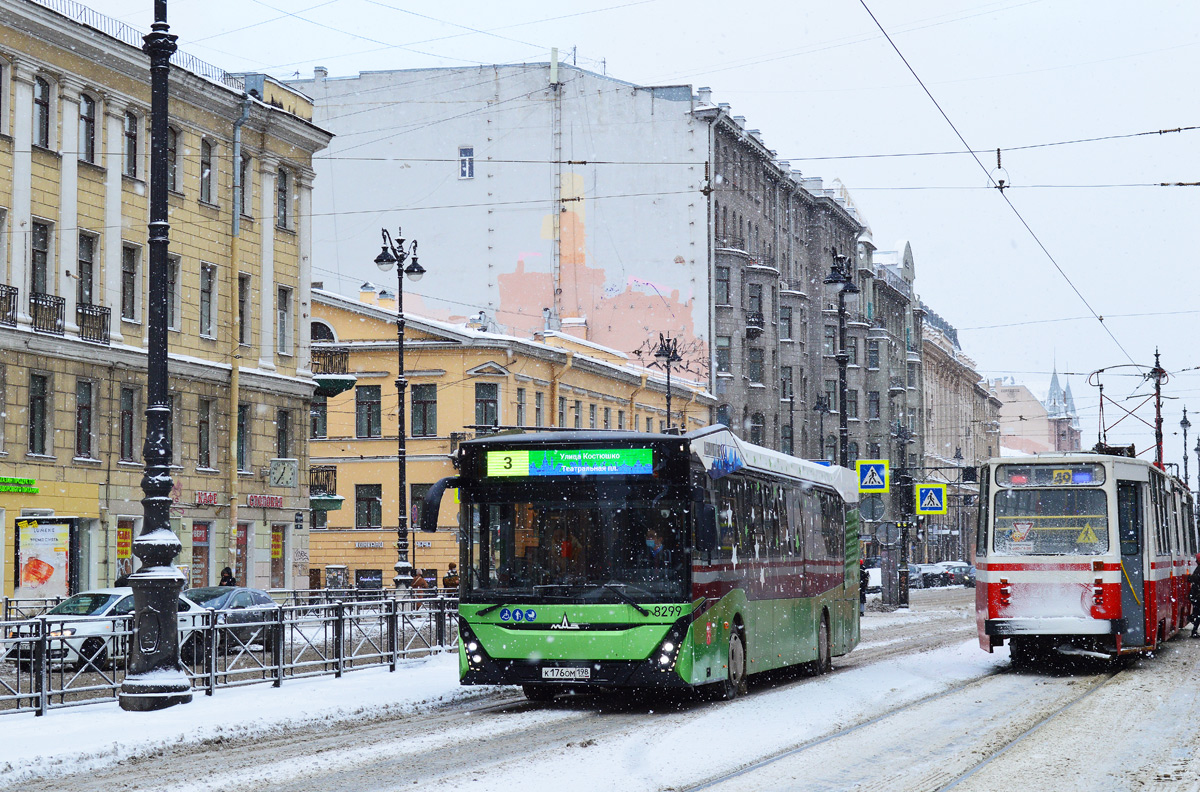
(472,647)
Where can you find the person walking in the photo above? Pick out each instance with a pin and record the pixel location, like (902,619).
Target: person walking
(227,577)
(1194,596)
(864,580)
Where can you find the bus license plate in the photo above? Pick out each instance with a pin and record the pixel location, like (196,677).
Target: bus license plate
(566,673)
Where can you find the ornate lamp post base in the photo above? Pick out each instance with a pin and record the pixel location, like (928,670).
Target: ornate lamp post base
(165,683)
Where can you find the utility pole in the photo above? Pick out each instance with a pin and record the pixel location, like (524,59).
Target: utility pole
(1185,424)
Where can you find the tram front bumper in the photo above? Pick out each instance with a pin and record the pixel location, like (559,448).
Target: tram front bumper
(1051,625)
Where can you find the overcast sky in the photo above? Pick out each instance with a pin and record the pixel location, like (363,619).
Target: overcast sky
(823,84)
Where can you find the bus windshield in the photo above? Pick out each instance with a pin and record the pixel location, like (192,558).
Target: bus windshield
(1051,522)
(583,545)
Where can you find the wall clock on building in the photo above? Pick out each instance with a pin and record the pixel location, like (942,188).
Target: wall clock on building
(285,472)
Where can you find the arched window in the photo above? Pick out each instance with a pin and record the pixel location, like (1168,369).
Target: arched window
(87,128)
(322,332)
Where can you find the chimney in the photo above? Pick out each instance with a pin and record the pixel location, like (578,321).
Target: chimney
(740,121)
(724,106)
(320,73)
(366,293)
(386,300)
(704,95)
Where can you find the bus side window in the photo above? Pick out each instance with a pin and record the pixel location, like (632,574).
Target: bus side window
(1129,516)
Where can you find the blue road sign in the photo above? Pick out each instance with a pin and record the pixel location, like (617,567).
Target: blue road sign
(931,498)
(872,475)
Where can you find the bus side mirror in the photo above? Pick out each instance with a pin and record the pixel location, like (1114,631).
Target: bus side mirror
(706,529)
(433,503)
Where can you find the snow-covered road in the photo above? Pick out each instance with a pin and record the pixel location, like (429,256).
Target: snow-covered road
(917,706)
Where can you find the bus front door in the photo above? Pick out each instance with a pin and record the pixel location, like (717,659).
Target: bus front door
(1130,521)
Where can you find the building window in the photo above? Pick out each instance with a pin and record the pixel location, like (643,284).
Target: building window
(562,412)
(243,437)
(172,159)
(283,313)
(83,419)
(785,321)
(851,403)
(912,375)
(785,382)
(39,277)
(873,406)
(520,406)
(283,434)
(873,450)
(206,172)
(724,360)
(368,505)
(367,411)
(173,295)
(487,404)
(243,309)
(208,299)
(129,283)
(424,410)
(872,353)
(131,146)
(754,298)
(851,454)
(621,420)
(608,418)
(757,428)
(785,439)
(128,407)
(721,286)
(591,416)
(87,128)
(578,414)
(754,364)
(281,198)
(319,417)
(539,409)
(831,396)
(204,433)
(852,351)
(85,273)
(247,187)
(466,162)
(649,424)
(41,113)
(830,345)
(39,412)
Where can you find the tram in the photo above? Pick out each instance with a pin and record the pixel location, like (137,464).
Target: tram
(1082,553)
(609,559)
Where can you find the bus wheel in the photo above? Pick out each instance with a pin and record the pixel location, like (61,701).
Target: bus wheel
(539,692)
(824,657)
(735,681)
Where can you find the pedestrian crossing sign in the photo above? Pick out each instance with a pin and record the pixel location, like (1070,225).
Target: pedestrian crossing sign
(872,475)
(931,499)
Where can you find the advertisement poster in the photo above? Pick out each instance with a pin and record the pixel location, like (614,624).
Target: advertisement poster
(43,553)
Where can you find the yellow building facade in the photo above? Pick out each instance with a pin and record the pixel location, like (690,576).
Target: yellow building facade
(460,379)
(74,209)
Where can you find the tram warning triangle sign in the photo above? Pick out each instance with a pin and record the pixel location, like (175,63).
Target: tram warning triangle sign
(872,475)
(1087,535)
(931,499)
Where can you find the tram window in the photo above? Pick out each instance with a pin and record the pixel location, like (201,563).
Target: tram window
(1051,522)
(981,543)
(1129,516)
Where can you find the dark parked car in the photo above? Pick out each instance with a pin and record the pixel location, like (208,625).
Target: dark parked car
(244,610)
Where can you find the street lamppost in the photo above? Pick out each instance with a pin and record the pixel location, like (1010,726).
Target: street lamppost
(838,277)
(156,678)
(1185,424)
(394,255)
(668,353)
(822,409)
(962,542)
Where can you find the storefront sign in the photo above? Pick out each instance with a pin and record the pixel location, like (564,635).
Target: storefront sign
(276,544)
(43,550)
(424,544)
(206,498)
(264,501)
(199,533)
(369,545)
(10,484)
(124,543)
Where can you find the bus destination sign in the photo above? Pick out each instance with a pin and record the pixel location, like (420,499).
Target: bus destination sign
(572,462)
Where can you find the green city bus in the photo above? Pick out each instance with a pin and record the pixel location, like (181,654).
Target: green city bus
(607,559)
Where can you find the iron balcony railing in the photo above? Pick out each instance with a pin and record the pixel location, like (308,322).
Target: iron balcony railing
(93,322)
(47,311)
(755,322)
(322,480)
(330,360)
(8,305)
(732,242)
(792,284)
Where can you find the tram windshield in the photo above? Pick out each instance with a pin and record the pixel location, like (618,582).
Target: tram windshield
(1051,522)
(603,543)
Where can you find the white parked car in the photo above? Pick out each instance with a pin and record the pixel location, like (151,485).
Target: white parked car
(81,629)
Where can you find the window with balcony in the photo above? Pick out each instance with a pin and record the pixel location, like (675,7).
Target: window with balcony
(487,404)
(367,411)
(754,301)
(39,269)
(424,410)
(368,505)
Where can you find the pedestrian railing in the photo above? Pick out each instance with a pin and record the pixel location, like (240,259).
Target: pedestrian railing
(48,663)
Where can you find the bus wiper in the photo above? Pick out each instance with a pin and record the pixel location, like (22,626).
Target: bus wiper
(489,609)
(625,597)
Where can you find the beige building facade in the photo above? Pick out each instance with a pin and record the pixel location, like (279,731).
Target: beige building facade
(74,168)
(462,381)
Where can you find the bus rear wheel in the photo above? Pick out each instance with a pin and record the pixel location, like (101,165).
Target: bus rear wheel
(734,684)
(824,662)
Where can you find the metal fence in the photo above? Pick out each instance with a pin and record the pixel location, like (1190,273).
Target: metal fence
(50,662)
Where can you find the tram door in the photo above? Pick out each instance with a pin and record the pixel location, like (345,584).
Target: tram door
(1130,523)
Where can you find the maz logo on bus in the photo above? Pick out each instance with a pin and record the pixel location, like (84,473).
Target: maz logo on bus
(517,615)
